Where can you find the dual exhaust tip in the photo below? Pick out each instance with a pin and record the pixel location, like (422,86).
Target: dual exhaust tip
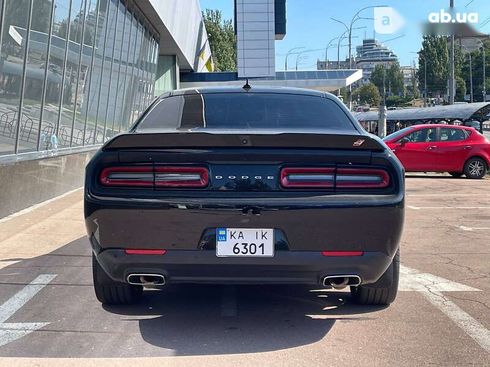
(334,281)
(146,279)
(341,281)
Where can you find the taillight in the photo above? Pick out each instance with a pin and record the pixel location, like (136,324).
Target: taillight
(329,178)
(181,177)
(158,176)
(127,176)
(353,178)
(307,177)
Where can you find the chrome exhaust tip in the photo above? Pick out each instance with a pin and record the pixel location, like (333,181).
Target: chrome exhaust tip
(341,281)
(146,279)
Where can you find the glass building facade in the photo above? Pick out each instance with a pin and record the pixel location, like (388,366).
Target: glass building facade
(72,72)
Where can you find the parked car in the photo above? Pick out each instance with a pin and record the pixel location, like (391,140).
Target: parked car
(245,185)
(441,148)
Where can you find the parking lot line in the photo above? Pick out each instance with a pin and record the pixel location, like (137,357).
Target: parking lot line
(464,228)
(413,207)
(472,327)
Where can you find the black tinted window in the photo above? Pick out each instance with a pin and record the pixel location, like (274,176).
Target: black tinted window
(273,111)
(166,114)
(448,134)
(246,111)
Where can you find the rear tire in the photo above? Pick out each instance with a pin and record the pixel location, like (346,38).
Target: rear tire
(384,291)
(110,292)
(475,168)
(456,174)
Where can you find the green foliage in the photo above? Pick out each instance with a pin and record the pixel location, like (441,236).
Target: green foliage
(222,40)
(398,101)
(393,79)
(435,55)
(477,70)
(377,77)
(367,94)
(460,89)
(394,76)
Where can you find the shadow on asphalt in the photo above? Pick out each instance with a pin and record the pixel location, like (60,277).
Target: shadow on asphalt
(214,319)
(186,319)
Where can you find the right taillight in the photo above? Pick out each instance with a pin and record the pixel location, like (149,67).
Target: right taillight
(330,178)
(307,177)
(354,178)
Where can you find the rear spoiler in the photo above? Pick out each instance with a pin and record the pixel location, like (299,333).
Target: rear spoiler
(243,140)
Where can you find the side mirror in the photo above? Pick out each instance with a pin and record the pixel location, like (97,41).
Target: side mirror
(403,141)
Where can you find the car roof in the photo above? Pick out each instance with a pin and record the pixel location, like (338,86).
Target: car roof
(240,89)
(441,125)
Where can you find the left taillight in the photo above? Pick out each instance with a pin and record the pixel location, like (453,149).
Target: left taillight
(127,176)
(181,177)
(158,176)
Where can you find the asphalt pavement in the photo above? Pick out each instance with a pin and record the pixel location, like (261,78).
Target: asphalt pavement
(49,315)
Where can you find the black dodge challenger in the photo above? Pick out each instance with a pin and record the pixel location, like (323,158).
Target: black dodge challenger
(245,185)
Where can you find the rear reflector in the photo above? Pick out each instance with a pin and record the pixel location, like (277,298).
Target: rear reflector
(145,252)
(127,176)
(342,253)
(314,177)
(181,177)
(341,178)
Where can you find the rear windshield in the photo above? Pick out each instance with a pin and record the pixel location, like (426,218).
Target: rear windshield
(246,111)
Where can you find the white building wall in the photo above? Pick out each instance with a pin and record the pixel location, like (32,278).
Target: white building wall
(255,25)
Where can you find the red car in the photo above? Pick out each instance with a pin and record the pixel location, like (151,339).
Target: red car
(441,148)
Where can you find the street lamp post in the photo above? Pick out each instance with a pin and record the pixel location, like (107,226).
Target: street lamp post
(326,50)
(289,53)
(471,79)
(484,91)
(342,36)
(349,28)
(298,54)
(425,74)
(451,62)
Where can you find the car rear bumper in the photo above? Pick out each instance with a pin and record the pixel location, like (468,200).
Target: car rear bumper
(286,267)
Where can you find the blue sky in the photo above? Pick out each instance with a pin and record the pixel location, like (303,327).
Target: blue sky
(309,25)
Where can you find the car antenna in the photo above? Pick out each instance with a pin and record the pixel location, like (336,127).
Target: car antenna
(247,86)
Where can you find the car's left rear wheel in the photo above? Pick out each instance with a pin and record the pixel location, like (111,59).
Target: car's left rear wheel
(110,292)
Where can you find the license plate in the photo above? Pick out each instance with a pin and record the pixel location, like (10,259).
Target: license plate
(246,242)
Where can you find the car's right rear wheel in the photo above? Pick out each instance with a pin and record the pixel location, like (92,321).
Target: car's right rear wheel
(110,292)
(384,291)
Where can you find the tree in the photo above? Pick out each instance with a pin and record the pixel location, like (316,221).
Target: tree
(460,89)
(393,79)
(394,75)
(477,70)
(377,76)
(367,94)
(222,40)
(435,53)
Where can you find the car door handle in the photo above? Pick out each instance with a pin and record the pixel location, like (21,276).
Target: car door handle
(432,147)
(467,146)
